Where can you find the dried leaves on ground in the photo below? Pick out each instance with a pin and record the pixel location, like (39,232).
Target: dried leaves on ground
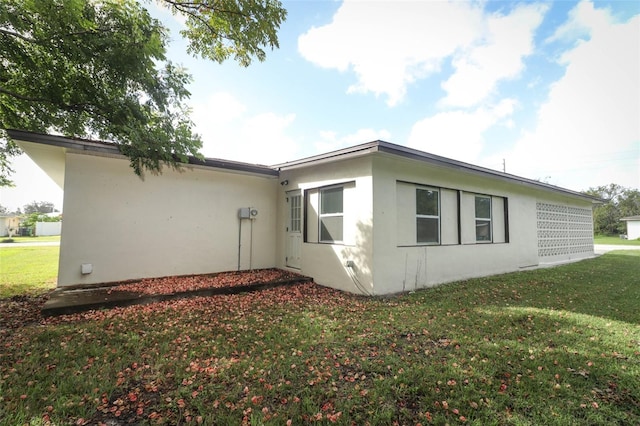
(556,346)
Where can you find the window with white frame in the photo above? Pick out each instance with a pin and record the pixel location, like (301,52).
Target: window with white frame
(331,214)
(483,218)
(427,216)
(295,213)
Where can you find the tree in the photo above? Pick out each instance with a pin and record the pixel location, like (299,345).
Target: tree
(39,207)
(619,202)
(97,69)
(6,212)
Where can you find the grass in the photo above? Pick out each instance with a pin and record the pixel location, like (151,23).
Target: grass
(551,346)
(46,239)
(27,270)
(602,239)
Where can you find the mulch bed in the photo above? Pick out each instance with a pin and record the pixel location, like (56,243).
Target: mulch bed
(19,311)
(173,285)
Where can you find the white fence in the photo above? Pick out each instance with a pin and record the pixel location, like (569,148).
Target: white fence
(48,228)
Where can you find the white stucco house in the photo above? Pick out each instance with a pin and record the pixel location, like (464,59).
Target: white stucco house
(633,227)
(376,218)
(9,225)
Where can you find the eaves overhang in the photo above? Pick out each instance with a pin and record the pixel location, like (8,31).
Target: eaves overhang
(380,146)
(111,149)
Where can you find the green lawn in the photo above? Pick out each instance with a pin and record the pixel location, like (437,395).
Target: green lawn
(27,270)
(600,239)
(551,346)
(47,239)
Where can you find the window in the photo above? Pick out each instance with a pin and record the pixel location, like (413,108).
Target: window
(427,216)
(483,219)
(295,208)
(331,214)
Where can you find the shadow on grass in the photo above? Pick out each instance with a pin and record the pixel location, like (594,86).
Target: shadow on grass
(606,287)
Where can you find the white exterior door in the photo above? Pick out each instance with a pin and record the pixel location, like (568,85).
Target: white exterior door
(294,229)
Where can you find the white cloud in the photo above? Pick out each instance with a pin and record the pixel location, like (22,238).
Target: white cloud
(499,56)
(330,141)
(592,114)
(391,44)
(582,19)
(229,132)
(458,134)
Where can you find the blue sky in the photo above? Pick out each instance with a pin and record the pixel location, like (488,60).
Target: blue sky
(551,88)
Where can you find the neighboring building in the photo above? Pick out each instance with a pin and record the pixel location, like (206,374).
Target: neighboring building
(633,227)
(376,218)
(9,223)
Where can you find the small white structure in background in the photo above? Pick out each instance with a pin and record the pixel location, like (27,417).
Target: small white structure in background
(375,218)
(633,227)
(9,225)
(44,229)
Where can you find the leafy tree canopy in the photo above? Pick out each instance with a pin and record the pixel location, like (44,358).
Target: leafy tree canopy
(97,69)
(4,211)
(620,202)
(39,207)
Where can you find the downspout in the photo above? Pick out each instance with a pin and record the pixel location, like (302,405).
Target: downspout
(251,246)
(239,239)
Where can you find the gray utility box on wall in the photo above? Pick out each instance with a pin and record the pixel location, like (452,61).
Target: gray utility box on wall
(247,213)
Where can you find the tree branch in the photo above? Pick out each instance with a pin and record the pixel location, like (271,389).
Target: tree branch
(190,10)
(70,107)
(17,35)
(182,6)
(54,36)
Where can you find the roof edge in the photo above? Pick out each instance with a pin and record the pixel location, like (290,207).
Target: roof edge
(411,153)
(101,147)
(274,171)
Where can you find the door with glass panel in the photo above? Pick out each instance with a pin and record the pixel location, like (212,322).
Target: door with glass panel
(294,229)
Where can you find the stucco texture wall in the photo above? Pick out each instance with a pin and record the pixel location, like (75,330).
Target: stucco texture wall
(326,262)
(402,264)
(176,223)
(633,229)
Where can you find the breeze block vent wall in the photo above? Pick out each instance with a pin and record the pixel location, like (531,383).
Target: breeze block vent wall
(563,230)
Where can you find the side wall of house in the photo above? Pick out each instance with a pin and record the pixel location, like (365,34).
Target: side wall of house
(326,261)
(463,242)
(633,229)
(177,223)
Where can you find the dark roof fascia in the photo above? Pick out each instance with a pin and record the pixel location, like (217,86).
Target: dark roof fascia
(65,142)
(234,165)
(354,151)
(414,154)
(101,147)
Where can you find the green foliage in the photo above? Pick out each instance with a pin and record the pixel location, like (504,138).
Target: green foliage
(230,28)
(29,221)
(620,202)
(89,69)
(98,69)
